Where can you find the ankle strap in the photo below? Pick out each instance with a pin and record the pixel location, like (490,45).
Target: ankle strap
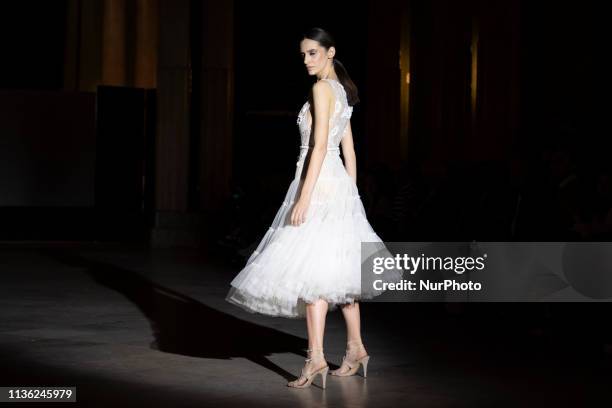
(315,352)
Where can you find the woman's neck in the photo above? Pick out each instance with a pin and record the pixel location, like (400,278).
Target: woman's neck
(330,74)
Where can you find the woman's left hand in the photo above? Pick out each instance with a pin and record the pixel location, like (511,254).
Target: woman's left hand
(298,215)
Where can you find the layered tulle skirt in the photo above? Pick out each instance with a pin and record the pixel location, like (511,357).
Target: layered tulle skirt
(319,259)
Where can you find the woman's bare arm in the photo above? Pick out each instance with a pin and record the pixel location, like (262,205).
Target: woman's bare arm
(322,95)
(348,152)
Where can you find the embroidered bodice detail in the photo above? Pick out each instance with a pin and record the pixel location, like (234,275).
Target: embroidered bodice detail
(338,122)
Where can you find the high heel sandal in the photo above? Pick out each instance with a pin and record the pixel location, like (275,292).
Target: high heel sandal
(351,362)
(309,376)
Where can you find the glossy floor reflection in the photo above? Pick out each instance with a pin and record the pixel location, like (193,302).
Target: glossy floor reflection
(152,328)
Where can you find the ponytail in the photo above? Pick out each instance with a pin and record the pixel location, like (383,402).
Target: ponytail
(346,81)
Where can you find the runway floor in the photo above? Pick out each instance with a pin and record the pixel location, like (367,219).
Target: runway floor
(140,327)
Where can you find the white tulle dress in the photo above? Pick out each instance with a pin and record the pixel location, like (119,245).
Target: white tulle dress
(321,258)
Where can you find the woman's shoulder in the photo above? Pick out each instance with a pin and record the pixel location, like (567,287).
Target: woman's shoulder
(322,88)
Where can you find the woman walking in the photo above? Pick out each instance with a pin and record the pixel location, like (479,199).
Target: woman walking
(309,260)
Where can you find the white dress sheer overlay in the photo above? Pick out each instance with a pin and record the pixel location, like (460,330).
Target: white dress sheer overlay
(321,258)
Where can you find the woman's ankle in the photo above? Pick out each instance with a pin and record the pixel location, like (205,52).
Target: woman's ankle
(354,343)
(355,349)
(315,353)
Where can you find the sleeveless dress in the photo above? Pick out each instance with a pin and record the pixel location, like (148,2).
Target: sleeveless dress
(320,258)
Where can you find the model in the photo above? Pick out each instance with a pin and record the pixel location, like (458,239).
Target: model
(309,260)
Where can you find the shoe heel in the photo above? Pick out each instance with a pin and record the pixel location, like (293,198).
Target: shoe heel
(324,376)
(364,363)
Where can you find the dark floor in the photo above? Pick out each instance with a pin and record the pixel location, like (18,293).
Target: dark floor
(143,327)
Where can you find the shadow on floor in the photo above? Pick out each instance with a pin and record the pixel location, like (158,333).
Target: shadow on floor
(182,325)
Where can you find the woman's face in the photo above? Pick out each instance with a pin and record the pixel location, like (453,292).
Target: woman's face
(315,56)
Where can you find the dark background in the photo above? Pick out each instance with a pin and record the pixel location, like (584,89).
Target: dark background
(79,149)
(162,124)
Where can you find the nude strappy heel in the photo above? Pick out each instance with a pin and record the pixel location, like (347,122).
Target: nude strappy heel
(310,376)
(352,363)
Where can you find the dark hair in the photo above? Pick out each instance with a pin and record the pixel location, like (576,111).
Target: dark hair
(327,41)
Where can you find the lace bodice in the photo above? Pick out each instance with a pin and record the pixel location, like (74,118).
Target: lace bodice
(338,122)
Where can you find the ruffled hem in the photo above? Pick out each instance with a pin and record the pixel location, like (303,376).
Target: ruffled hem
(290,309)
(320,259)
